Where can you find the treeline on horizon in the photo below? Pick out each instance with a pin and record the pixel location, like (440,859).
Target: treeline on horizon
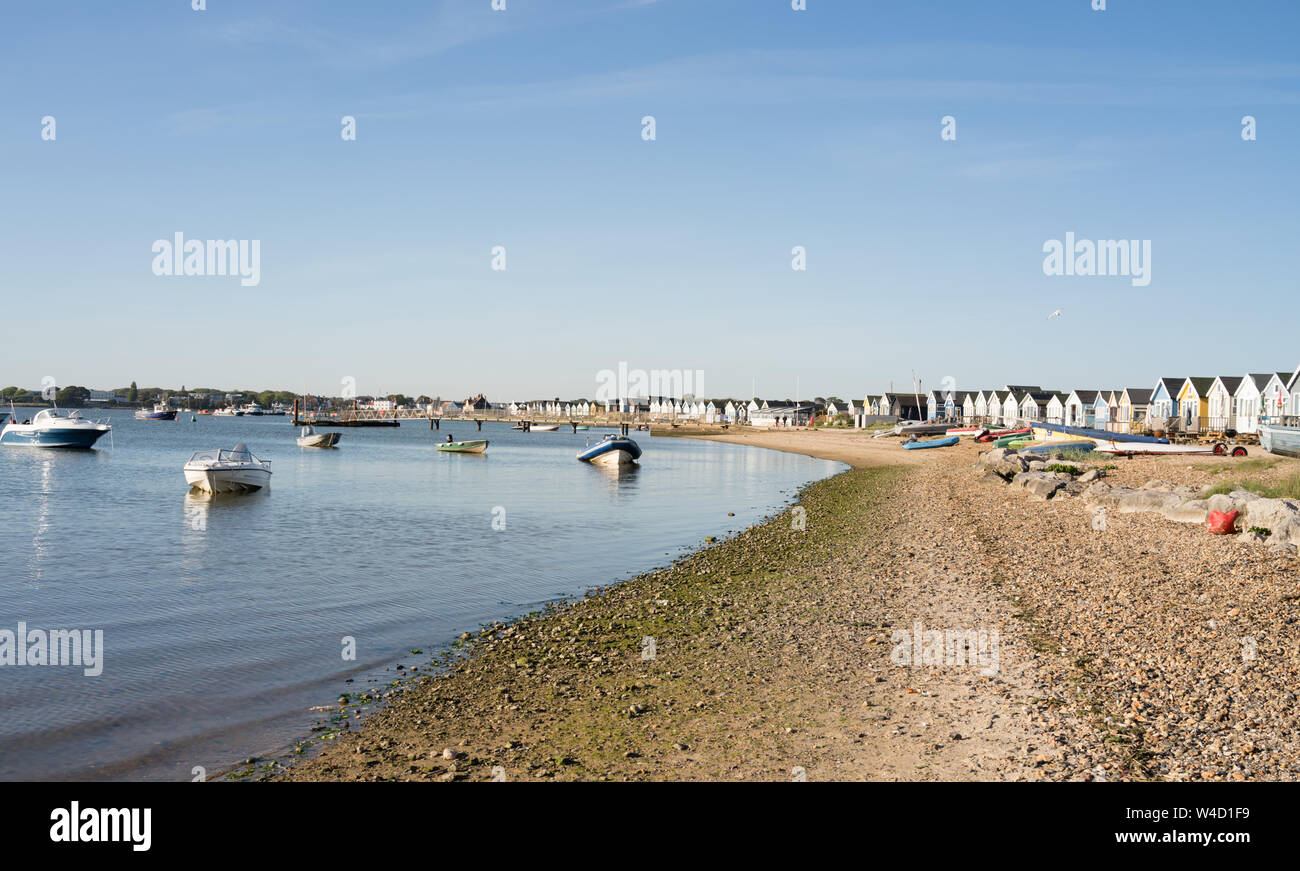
(75,395)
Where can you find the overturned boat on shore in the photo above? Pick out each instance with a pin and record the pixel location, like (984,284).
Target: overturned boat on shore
(1045,430)
(919,428)
(931,443)
(1280,436)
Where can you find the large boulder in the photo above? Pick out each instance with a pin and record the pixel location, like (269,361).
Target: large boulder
(1272,514)
(1099,493)
(1135,501)
(1041,485)
(1285,533)
(1190,511)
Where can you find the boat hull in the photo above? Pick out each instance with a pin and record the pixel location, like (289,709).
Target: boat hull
(612,452)
(1060,430)
(1127,448)
(55,437)
(547,428)
(932,443)
(228,480)
(320,440)
(1281,440)
(155,415)
(477,446)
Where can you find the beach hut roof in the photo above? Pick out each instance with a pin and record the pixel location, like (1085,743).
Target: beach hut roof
(1295,380)
(1023,388)
(1087,396)
(1230,382)
(1259,380)
(1139,395)
(1172,386)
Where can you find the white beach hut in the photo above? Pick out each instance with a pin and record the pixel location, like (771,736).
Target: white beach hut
(1221,395)
(1275,398)
(1056,408)
(1246,402)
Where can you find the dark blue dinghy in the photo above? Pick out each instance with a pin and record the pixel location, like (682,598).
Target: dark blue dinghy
(612,450)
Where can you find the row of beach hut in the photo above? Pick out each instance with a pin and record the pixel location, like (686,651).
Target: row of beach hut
(1190,404)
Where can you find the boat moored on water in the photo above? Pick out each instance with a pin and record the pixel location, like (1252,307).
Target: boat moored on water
(160,411)
(229,411)
(549,427)
(227,471)
(51,429)
(612,450)
(1280,436)
(471,446)
(309,438)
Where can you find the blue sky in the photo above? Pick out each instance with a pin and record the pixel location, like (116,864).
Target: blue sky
(522,128)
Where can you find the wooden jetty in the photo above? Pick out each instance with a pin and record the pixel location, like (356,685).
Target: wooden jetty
(622,421)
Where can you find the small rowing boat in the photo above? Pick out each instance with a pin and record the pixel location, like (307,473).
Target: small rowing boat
(309,438)
(550,427)
(473,446)
(919,428)
(999,433)
(931,443)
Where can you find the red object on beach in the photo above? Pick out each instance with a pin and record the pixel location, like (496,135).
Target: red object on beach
(1222,523)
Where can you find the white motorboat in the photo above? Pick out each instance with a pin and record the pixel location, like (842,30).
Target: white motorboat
(51,429)
(227,471)
(549,427)
(309,438)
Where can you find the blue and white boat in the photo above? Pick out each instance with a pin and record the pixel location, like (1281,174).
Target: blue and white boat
(51,429)
(160,412)
(612,450)
(1280,436)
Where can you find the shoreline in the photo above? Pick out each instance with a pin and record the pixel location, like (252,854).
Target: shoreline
(569,694)
(775,653)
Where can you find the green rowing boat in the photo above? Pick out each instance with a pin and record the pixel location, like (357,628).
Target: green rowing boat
(476,446)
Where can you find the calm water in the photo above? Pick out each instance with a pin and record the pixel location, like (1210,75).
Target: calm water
(223,618)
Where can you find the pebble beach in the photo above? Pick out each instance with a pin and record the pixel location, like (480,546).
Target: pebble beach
(1137,649)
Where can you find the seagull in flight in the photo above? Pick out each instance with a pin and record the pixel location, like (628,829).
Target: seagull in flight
(1055,314)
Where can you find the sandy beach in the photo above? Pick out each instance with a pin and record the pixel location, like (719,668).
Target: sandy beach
(801,648)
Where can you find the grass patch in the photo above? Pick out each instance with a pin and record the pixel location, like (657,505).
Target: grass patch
(1063,467)
(1287,488)
(1259,464)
